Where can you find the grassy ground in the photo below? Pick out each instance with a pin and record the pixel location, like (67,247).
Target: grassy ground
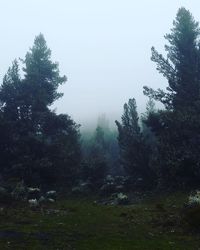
(153,224)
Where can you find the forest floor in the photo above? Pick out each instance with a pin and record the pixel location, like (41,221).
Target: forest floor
(80,224)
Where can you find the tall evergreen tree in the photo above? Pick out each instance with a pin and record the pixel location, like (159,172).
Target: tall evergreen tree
(132,147)
(177,128)
(43,146)
(42,75)
(181,68)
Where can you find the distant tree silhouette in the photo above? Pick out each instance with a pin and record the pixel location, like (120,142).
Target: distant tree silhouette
(133,151)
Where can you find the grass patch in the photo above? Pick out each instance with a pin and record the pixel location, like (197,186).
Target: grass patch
(80,224)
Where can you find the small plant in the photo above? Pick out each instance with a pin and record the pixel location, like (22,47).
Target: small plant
(194,199)
(122,199)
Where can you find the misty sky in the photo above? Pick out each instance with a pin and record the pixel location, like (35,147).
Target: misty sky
(102,46)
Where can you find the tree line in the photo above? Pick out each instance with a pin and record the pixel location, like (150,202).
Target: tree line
(162,146)
(167,147)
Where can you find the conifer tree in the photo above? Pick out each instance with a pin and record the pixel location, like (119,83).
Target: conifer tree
(181,68)
(42,146)
(131,143)
(178,128)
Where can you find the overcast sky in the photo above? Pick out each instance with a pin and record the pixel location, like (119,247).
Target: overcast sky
(102,46)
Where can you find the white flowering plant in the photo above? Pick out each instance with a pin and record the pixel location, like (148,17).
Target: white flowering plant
(122,199)
(194,199)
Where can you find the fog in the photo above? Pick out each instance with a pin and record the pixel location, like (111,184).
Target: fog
(103,47)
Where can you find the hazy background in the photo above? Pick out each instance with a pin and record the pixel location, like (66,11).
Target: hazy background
(103,46)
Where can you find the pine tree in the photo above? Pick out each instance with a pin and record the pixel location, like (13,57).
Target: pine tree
(177,127)
(181,68)
(42,75)
(132,147)
(42,145)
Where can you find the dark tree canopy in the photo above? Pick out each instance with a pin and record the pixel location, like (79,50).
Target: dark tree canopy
(181,68)
(42,74)
(133,155)
(177,128)
(38,144)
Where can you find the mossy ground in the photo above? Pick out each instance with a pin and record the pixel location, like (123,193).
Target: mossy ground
(77,223)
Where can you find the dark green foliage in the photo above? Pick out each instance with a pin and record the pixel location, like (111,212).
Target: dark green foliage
(181,67)
(42,74)
(133,149)
(111,146)
(38,146)
(95,164)
(177,128)
(129,137)
(178,146)
(100,152)
(150,138)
